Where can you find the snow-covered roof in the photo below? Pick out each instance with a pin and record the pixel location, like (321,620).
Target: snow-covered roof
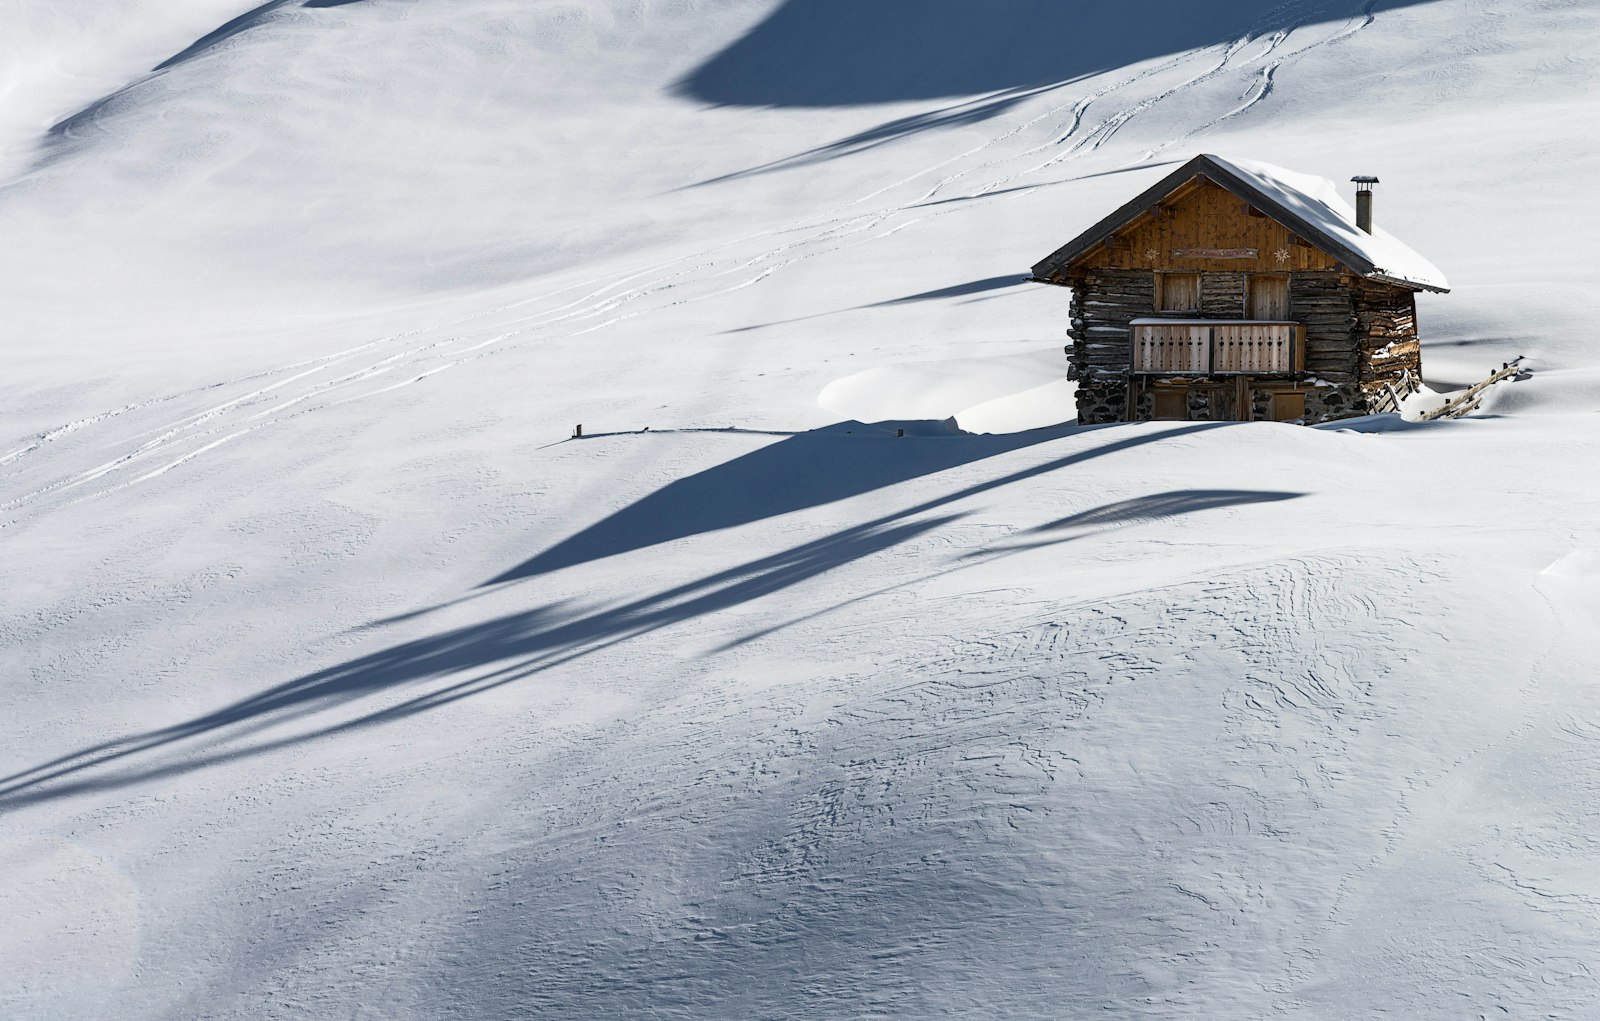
(1306,204)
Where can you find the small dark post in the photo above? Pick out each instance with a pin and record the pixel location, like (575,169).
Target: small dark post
(577,432)
(899,432)
(1364,186)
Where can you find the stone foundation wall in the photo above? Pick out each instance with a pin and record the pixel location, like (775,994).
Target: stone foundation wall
(1330,403)
(1144,405)
(1102,399)
(1208,400)
(1200,409)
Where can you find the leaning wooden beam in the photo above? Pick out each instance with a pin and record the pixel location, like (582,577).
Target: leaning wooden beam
(1468,400)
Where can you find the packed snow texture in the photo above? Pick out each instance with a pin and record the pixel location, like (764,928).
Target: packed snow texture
(829,674)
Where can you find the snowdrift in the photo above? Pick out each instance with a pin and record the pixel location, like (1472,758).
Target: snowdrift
(338,680)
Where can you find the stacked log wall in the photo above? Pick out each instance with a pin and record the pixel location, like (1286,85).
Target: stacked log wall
(1105,303)
(1325,304)
(1322,302)
(1360,335)
(1386,334)
(1222,295)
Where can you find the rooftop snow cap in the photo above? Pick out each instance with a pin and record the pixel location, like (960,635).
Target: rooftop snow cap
(1309,206)
(1364,185)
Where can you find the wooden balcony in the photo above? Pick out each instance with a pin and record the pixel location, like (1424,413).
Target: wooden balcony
(1217,347)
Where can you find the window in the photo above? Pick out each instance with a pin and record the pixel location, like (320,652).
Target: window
(1178,292)
(1269,298)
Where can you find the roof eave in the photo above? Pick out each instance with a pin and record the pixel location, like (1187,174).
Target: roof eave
(1204,166)
(1062,257)
(1416,285)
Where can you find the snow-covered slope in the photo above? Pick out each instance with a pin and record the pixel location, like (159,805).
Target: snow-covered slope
(338,681)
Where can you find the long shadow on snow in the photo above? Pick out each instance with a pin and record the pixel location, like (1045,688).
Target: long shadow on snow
(519,645)
(819,53)
(1105,518)
(803,470)
(243,23)
(512,647)
(957,290)
(954,291)
(222,33)
(73,124)
(1140,510)
(972,111)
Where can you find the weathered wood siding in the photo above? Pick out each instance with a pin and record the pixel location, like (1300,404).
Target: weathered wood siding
(1323,304)
(1104,303)
(1203,216)
(1222,295)
(1359,334)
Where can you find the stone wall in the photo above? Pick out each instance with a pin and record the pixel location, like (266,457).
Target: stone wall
(1328,403)
(1102,400)
(1200,409)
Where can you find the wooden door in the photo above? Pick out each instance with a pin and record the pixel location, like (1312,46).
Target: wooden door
(1288,406)
(1171,406)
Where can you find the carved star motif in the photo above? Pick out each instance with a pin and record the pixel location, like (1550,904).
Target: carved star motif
(1151,255)
(1282,256)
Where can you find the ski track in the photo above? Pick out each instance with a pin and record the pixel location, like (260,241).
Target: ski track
(1262,87)
(603,303)
(1230,880)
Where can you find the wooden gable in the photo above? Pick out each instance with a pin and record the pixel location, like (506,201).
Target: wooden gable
(1203,227)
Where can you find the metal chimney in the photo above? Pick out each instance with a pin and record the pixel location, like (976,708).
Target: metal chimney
(1364,186)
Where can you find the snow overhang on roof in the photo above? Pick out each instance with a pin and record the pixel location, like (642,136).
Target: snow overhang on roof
(1309,206)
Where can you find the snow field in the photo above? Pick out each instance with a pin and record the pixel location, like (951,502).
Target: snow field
(337,682)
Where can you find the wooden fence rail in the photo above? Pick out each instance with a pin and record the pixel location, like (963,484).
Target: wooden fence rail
(1471,398)
(1392,395)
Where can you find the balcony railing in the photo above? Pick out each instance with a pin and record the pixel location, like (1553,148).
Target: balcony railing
(1211,347)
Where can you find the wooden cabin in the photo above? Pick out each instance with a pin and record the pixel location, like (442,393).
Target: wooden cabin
(1238,291)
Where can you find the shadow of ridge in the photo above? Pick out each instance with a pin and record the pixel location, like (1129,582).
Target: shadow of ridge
(68,126)
(243,23)
(492,653)
(820,53)
(222,33)
(972,111)
(997,192)
(803,470)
